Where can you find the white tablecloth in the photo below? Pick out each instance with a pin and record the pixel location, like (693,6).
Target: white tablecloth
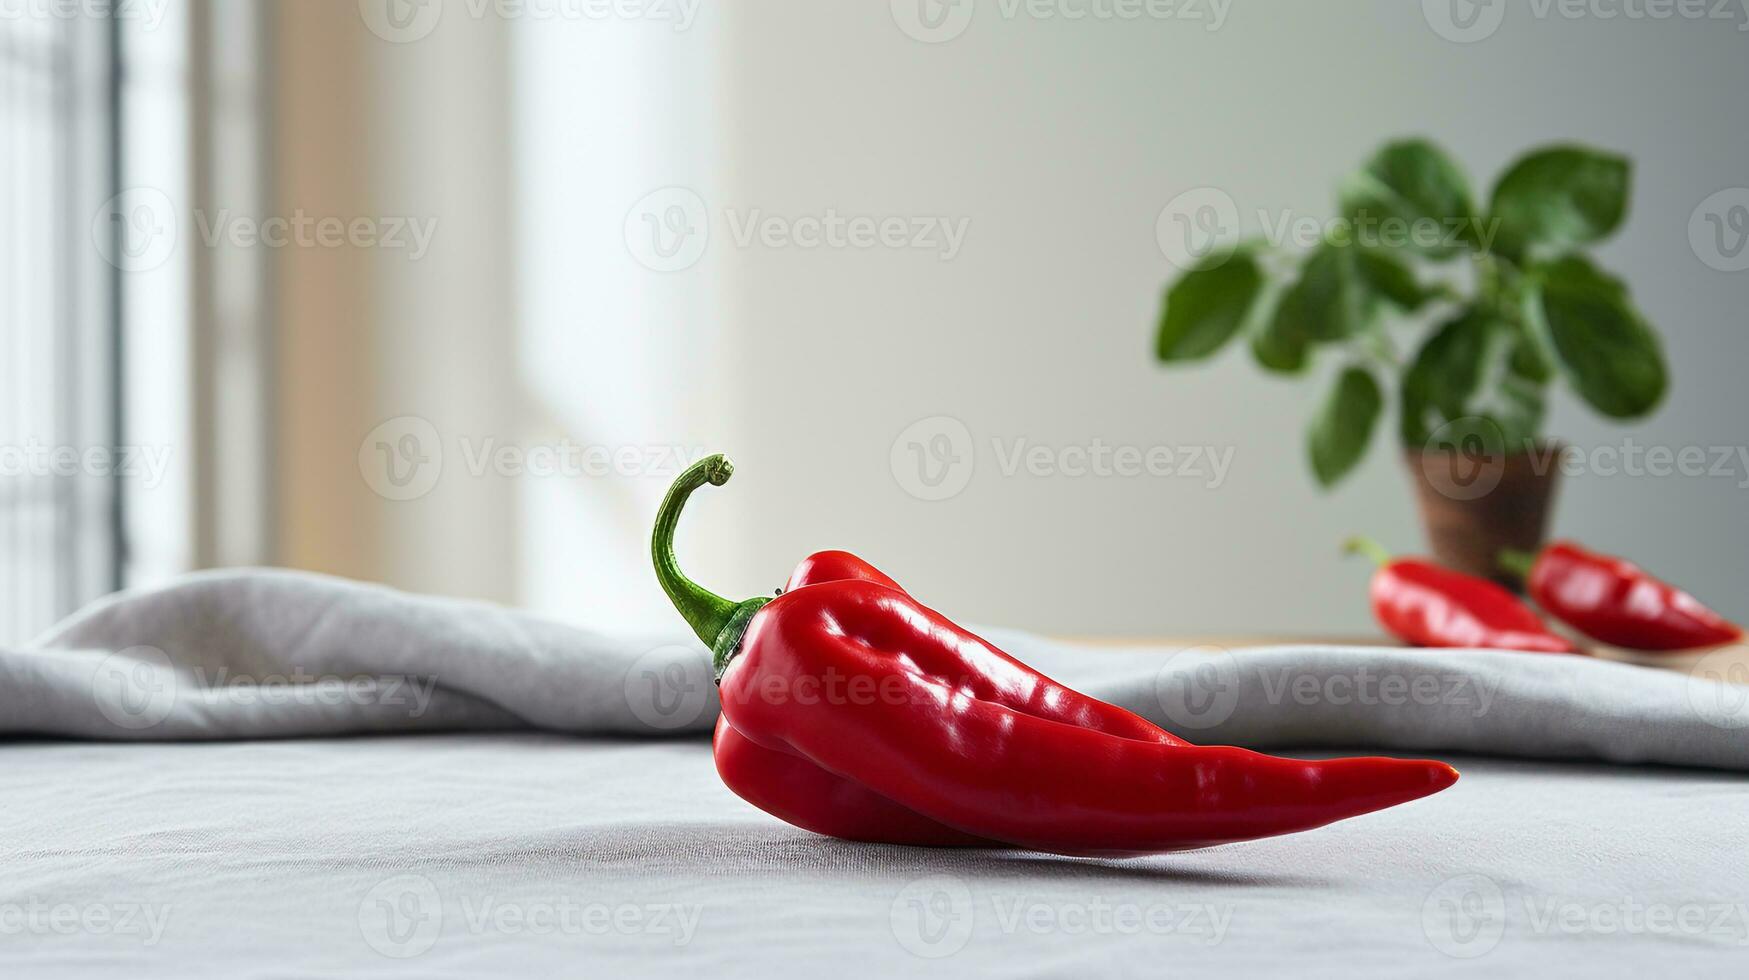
(550,856)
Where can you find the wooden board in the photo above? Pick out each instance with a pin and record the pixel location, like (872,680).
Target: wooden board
(1725,663)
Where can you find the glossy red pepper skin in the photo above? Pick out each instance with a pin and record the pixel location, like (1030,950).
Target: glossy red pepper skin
(797,791)
(999,676)
(1614,601)
(801,793)
(1428,605)
(943,726)
(979,757)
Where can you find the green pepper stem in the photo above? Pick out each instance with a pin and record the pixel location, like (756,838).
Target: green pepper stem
(1519,563)
(1363,545)
(719,622)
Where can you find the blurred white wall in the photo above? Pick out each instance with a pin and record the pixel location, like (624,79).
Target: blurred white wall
(544,318)
(622,366)
(405,330)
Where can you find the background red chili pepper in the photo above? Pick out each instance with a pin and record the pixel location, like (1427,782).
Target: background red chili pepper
(1428,605)
(1614,601)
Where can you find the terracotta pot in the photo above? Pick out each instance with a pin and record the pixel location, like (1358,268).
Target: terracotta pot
(1475,504)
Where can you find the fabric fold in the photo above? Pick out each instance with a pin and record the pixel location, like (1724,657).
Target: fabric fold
(243,654)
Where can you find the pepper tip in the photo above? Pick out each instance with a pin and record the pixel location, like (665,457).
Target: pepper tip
(1443,776)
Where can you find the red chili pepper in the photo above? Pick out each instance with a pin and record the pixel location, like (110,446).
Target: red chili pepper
(894,709)
(1614,601)
(1428,605)
(797,791)
(800,792)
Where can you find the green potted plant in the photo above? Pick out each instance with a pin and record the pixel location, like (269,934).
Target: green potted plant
(1469,314)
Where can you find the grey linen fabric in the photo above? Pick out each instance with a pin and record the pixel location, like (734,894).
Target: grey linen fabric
(253,654)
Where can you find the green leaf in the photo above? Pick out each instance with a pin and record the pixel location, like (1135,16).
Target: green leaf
(1606,349)
(1206,307)
(1280,343)
(1413,190)
(1329,301)
(1343,426)
(1332,296)
(1392,279)
(1534,357)
(1557,199)
(1469,372)
(1445,372)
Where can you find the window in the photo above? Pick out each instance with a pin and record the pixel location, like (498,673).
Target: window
(133,396)
(60,509)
